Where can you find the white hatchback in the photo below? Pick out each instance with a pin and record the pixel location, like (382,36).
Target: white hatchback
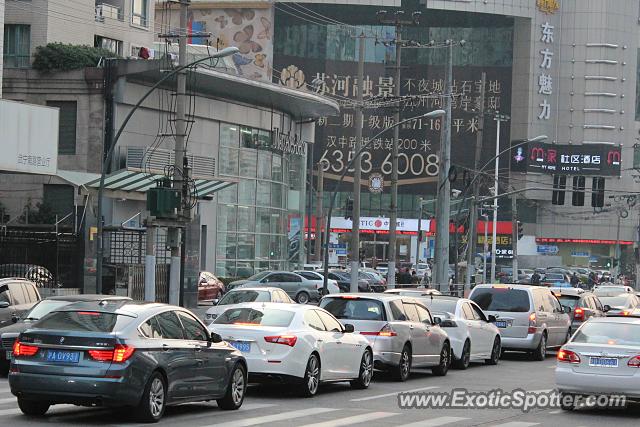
(301,344)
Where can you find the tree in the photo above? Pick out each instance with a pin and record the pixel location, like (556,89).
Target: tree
(40,213)
(64,57)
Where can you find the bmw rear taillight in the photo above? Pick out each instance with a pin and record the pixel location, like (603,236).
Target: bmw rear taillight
(386,331)
(568,356)
(24,350)
(634,362)
(578,314)
(532,324)
(119,354)
(289,340)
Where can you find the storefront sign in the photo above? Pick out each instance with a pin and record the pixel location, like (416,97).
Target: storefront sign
(584,241)
(504,245)
(578,254)
(591,159)
(287,143)
(547,249)
(379,224)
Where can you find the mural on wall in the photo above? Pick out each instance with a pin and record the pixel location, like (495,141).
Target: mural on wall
(249,29)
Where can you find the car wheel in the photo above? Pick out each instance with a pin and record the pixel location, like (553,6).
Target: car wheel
(366,371)
(496,352)
(569,405)
(153,402)
(443,367)
(33,408)
(404,367)
(236,389)
(311,380)
(540,353)
(465,357)
(302,298)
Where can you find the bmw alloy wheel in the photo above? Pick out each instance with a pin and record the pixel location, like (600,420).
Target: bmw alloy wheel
(156,397)
(237,387)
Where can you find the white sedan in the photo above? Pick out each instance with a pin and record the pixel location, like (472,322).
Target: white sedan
(602,358)
(318,279)
(473,336)
(302,343)
(244,295)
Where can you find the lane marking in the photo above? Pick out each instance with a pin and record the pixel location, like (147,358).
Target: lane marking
(435,422)
(273,418)
(5,412)
(9,400)
(347,421)
(379,396)
(516,424)
(557,411)
(204,414)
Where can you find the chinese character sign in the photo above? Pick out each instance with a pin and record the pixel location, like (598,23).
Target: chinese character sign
(545,81)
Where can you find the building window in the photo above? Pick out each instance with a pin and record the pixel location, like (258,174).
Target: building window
(66,126)
(140,11)
(17,46)
(59,198)
(112,45)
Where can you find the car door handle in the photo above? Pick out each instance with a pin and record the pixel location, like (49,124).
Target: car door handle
(165,347)
(198,348)
(411,326)
(338,342)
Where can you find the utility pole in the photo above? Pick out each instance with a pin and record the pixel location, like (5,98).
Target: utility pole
(319,215)
(514,237)
(499,118)
(473,211)
(355,229)
(150,263)
(419,239)
(443,213)
(309,203)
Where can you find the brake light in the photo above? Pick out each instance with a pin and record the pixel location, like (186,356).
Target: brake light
(568,356)
(386,331)
(634,362)
(625,313)
(289,340)
(532,324)
(24,350)
(89,313)
(350,297)
(578,313)
(120,353)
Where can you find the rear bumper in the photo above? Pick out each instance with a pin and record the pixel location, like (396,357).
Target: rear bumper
(290,366)
(75,390)
(568,381)
(530,342)
(385,351)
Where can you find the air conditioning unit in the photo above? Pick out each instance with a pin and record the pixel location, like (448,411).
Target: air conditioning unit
(99,13)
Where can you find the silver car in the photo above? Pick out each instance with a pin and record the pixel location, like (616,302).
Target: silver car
(530,318)
(401,331)
(603,357)
(297,287)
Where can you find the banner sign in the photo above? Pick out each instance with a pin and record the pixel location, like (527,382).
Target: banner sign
(591,159)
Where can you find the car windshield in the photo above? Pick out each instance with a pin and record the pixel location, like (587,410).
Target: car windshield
(441,305)
(45,307)
(568,301)
(308,275)
(610,290)
(258,276)
(554,276)
(354,309)
(608,333)
(619,301)
(237,297)
(251,316)
(83,321)
(502,299)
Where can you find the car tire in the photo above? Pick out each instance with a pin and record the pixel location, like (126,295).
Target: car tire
(563,405)
(540,353)
(311,381)
(366,371)
(33,408)
(302,298)
(496,352)
(153,402)
(403,370)
(236,389)
(465,357)
(445,360)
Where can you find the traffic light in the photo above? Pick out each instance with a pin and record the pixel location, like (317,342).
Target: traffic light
(348,209)
(578,191)
(520,230)
(559,185)
(597,194)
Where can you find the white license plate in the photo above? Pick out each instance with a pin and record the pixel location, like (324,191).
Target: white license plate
(603,362)
(9,354)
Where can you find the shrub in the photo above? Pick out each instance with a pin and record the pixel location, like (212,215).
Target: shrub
(63,57)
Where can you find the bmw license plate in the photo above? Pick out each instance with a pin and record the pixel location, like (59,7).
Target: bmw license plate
(244,347)
(501,323)
(9,354)
(60,356)
(603,362)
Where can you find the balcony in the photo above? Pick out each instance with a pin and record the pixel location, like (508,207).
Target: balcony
(108,11)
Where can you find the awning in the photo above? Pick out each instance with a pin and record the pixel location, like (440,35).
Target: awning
(76,178)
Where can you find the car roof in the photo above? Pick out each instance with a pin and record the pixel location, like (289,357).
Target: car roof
(255,288)
(124,307)
(508,285)
(87,297)
(626,320)
(369,295)
(274,305)
(574,292)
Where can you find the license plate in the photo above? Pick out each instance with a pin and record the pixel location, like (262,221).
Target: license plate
(603,362)
(59,356)
(501,323)
(9,355)
(244,347)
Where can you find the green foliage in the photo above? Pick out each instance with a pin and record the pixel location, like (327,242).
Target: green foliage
(41,213)
(64,57)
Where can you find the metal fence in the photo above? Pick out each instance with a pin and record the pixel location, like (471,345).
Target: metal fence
(136,282)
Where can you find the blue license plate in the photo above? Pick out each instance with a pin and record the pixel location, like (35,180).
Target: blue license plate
(59,356)
(244,347)
(501,323)
(603,362)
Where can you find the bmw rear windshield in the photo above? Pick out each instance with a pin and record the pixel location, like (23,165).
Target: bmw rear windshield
(84,321)
(502,299)
(354,309)
(258,317)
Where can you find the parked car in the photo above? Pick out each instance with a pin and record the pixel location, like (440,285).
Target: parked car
(612,290)
(413,292)
(294,343)
(530,318)
(10,333)
(140,355)
(621,304)
(318,279)
(343,279)
(556,280)
(602,358)
(17,296)
(400,330)
(297,287)
(34,273)
(473,335)
(209,287)
(382,268)
(376,282)
(582,305)
(244,295)
(422,269)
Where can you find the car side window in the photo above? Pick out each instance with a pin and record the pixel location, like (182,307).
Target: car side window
(538,301)
(312,319)
(554,305)
(423,314)
(192,328)
(477,313)
(272,278)
(31,292)
(170,325)
(4,294)
(291,278)
(17,293)
(284,297)
(410,310)
(330,322)
(275,296)
(467,311)
(151,328)
(397,311)
(597,304)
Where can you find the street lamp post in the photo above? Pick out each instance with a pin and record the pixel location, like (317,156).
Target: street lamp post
(107,159)
(485,247)
(334,192)
(499,118)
